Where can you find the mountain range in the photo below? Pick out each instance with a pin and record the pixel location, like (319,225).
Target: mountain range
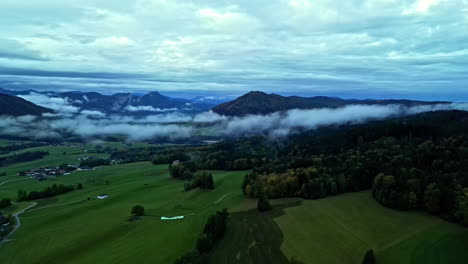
(254,103)
(251,103)
(129,103)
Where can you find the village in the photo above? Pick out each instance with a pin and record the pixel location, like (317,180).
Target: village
(50,172)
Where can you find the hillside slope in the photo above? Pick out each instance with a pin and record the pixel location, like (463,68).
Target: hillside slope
(15,106)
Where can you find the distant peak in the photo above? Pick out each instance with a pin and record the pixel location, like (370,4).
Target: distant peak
(256,93)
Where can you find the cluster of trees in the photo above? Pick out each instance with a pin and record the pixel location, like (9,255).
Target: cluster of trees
(165,158)
(50,191)
(4,203)
(158,155)
(2,173)
(212,233)
(22,157)
(182,171)
(129,155)
(94,162)
(416,162)
(203,180)
(187,171)
(13,147)
(236,155)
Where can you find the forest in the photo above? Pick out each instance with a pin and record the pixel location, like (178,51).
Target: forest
(418,162)
(415,162)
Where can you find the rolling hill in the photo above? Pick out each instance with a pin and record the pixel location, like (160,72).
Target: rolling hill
(263,103)
(15,106)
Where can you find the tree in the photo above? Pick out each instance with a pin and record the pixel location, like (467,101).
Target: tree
(263,204)
(432,198)
(4,203)
(412,200)
(369,258)
(79,186)
(11,219)
(22,196)
(204,244)
(138,210)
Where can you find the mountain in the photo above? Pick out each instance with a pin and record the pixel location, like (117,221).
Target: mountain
(139,104)
(15,106)
(129,103)
(262,103)
(158,100)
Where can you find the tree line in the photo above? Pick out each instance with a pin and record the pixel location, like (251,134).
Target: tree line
(50,191)
(22,157)
(13,147)
(213,232)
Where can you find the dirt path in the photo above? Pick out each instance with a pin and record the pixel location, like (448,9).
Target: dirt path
(18,223)
(222,197)
(48,206)
(14,180)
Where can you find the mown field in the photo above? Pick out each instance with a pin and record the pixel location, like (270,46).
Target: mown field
(342,228)
(71,229)
(339,230)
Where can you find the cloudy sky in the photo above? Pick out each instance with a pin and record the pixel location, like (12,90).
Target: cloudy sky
(353,48)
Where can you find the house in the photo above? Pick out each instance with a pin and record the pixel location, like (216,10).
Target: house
(82,158)
(102,196)
(175,162)
(83,168)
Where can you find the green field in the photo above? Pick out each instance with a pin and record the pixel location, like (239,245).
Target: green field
(99,230)
(342,228)
(57,156)
(339,230)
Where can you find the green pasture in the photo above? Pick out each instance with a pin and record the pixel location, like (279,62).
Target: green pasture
(341,229)
(69,230)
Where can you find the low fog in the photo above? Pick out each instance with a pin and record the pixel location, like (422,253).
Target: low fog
(89,124)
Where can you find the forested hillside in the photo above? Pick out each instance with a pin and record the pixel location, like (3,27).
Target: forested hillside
(418,162)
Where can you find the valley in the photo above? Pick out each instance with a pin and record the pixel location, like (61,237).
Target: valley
(77,227)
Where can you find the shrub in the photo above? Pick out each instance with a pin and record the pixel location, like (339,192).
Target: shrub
(263,204)
(369,258)
(138,210)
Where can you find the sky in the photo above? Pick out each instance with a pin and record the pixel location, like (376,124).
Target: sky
(415,49)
